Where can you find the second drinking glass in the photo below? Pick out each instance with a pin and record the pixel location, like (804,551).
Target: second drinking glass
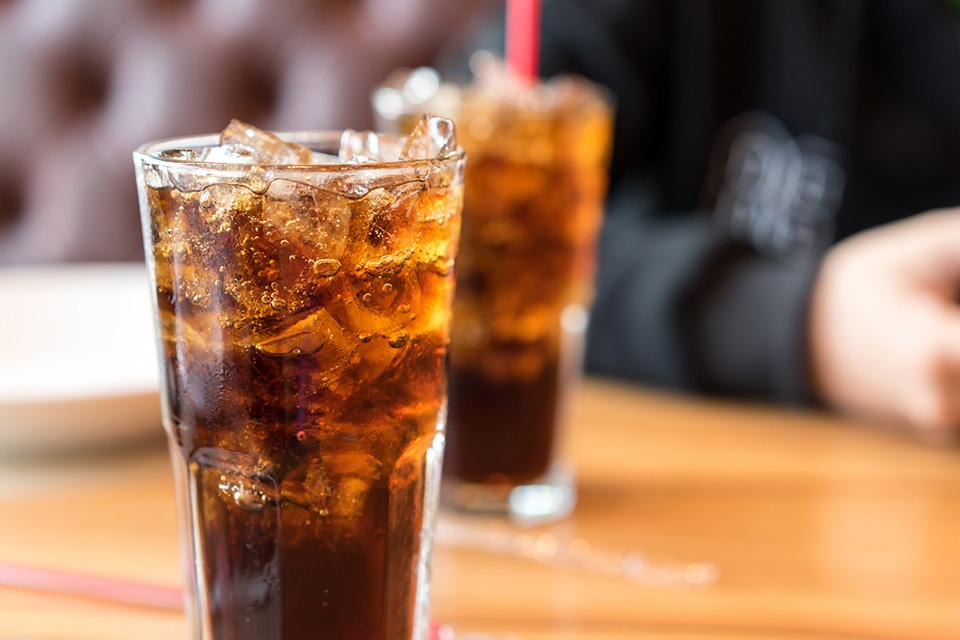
(534,194)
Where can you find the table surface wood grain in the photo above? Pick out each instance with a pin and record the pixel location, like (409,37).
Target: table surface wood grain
(818,528)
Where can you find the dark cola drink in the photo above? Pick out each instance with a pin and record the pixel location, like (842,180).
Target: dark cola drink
(304,307)
(534,195)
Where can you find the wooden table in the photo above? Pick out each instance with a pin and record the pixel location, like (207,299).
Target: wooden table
(818,528)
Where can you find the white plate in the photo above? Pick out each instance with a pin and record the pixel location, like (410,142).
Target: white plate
(78,361)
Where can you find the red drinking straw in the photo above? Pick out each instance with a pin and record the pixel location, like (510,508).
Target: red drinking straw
(523,38)
(126,592)
(82,585)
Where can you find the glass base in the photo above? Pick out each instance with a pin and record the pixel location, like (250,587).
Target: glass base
(551,497)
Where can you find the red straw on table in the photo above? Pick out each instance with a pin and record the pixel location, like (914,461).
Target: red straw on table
(68,583)
(523,38)
(126,592)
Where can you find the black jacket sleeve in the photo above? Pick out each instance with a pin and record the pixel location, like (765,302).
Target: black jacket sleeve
(679,305)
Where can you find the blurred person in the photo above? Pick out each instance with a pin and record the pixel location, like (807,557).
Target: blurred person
(778,224)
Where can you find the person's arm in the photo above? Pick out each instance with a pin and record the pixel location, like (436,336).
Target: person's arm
(872,331)
(679,305)
(885,325)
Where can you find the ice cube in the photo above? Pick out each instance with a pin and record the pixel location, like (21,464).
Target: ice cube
(367,146)
(383,305)
(318,336)
(240,139)
(238,477)
(335,484)
(229,154)
(433,137)
(220,204)
(307,486)
(359,146)
(353,474)
(179,155)
(318,157)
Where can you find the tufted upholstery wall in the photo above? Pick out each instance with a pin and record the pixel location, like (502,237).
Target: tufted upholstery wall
(83,82)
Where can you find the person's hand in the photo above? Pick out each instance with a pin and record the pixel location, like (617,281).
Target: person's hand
(884,331)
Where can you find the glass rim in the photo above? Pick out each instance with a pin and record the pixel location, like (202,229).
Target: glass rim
(467,88)
(147,152)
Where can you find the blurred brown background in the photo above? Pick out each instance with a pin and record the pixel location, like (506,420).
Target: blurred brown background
(84,82)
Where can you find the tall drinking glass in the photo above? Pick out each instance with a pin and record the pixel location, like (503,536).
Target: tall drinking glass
(534,195)
(303,306)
